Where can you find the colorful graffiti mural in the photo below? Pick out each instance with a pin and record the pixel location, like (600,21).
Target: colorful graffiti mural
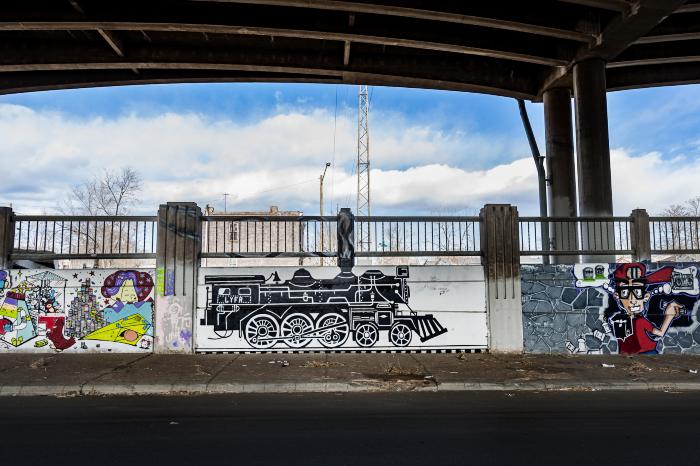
(69,310)
(631,308)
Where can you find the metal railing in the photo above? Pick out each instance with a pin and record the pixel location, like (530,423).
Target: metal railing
(236,236)
(49,237)
(674,235)
(311,236)
(378,236)
(574,236)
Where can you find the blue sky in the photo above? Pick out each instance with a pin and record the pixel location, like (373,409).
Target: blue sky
(433,151)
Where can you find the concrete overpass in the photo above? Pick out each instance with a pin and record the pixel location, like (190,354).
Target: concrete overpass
(539,50)
(509,48)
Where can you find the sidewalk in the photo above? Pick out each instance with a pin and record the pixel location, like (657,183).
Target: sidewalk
(112,374)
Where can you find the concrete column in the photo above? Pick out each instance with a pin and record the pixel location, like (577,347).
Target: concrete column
(559,135)
(500,254)
(593,151)
(178,256)
(641,237)
(7,236)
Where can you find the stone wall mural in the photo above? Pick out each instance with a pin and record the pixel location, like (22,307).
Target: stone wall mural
(76,310)
(631,308)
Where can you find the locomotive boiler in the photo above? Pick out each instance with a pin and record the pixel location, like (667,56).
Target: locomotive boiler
(296,312)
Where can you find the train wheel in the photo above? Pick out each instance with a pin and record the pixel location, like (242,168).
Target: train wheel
(400,334)
(366,334)
(295,327)
(261,331)
(336,336)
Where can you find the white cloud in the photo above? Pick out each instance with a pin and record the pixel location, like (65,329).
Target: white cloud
(273,160)
(651,182)
(277,160)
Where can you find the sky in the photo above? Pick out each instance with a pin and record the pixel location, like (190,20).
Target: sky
(432,152)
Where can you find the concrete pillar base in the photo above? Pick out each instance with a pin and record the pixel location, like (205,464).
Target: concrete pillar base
(177,265)
(500,246)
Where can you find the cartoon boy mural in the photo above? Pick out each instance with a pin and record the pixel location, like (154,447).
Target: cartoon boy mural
(635,333)
(127,292)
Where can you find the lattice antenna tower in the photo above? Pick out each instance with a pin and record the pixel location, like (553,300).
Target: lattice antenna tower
(363,198)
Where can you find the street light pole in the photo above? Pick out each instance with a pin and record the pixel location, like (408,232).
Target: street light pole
(320,205)
(320,198)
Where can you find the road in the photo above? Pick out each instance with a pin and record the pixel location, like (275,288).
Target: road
(480,428)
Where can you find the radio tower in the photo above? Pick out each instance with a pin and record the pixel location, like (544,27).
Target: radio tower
(363,204)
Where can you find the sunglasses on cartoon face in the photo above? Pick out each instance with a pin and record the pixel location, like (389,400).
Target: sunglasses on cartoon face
(624,291)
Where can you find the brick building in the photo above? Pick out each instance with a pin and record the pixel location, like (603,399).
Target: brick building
(236,235)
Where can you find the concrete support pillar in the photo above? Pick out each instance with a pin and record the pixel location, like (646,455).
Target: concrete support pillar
(561,171)
(500,246)
(7,236)
(592,145)
(177,265)
(641,236)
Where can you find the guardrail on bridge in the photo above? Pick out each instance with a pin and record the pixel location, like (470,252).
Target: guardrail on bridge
(52,237)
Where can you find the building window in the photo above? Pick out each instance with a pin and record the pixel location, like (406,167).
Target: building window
(233,232)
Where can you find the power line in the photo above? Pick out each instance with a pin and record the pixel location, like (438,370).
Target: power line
(284,187)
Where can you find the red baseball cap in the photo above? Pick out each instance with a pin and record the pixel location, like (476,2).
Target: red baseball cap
(637,272)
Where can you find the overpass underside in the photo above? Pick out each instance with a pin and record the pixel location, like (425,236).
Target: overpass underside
(545,50)
(508,48)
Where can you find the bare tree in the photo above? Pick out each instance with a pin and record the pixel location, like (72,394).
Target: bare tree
(693,206)
(113,193)
(676,234)
(675,210)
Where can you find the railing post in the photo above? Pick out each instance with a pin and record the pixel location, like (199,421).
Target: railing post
(346,239)
(641,237)
(500,254)
(178,256)
(7,236)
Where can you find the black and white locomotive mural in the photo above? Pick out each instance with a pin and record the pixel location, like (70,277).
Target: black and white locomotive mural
(369,310)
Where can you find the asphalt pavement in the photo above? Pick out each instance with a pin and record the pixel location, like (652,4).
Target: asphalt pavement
(456,428)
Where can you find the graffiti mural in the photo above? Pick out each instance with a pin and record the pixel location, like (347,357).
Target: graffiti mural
(631,308)
(69,310)
(368,310)
(174,321)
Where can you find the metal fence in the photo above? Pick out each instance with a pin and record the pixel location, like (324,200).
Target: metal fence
(573,236)
(309,236)
(72,237)
(417,236)
(674,235)
(236,236)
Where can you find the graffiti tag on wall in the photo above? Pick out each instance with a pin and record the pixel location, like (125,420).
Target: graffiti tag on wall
(611,308)
(76,310)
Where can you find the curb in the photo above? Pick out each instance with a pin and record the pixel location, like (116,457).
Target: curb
(338,387)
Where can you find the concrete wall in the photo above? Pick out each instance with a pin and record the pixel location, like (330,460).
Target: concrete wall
(105,310)
(287,310)
(593,309)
